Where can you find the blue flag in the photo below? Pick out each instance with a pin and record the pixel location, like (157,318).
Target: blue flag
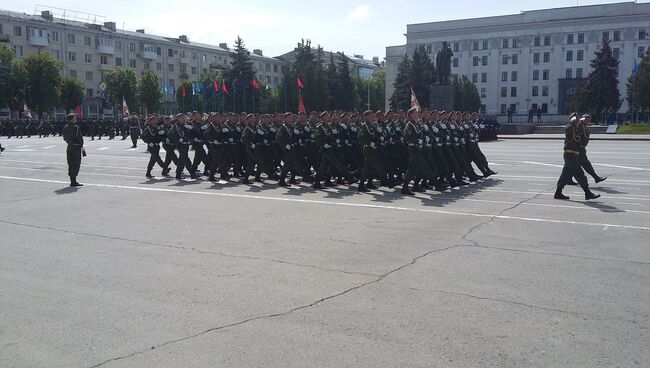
(174,88)
(166,89)
(197,86)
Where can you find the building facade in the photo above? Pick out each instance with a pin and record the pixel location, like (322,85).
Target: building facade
(533,59)
(89,48)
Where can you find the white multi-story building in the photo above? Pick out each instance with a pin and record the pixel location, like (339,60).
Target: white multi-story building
(536,58)
(88,47)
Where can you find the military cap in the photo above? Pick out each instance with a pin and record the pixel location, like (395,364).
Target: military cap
(367,112)
(323,114)
(70,116)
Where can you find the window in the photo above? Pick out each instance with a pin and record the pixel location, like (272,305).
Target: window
(103,59)
(641,51)
(535,91)
(504,91)
(475,45)
(89,92)
(580,55)
(514,76)
(605,36)
(544,90)
(516,43)
(146,65)
(89,76)
(485,44)
(568,74)
(513,91)
(474,77)
(579,73)
(504,76)
(617,35)
(483,92)
(55,54)
(118,61)
(515,59)
(429,49)
(545,74)
(547,57)
(484,59)
(73,73)
(54,36)
(535,74)
(132,46)
(569,39)
(545,108)
(193,70)
(18,31)
(72,57)
(182,55)
(159,66)
(275,67)
(475,61)
(547,40)
(581,38)
(88,58)
(536,58)
(537,41)
(569,55)
(18,50)
(70,38)
(204,57)
(158,51)
(483,108)
(276,81)
(506,43)
(504,108)
(455,64)
(483,77)
(182,69)
(642,34)
(505,59)
(87,41)
(267,67)
(118,45)
(616,52)
(132,63)
(193,55)
(456,46)
(170,53)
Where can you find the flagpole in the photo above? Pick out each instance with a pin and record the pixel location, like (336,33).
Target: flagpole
(634,91)
(286,102)
(244,88)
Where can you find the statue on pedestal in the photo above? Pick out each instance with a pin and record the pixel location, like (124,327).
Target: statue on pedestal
(443,64)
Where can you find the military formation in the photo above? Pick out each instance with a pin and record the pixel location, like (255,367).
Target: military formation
(92,128)
(417,150)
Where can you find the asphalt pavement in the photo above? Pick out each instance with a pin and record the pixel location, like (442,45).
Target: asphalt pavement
(130,272)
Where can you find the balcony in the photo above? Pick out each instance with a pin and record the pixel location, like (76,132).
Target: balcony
(40,41)
(4,37)
(185,60)
(105,67)
(184,76)
(148,54)
(106,49)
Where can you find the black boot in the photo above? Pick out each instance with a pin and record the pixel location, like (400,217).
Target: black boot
(406,190)
(590,195)
(362,188)
(149,176)
(317,185)
(600,178)
(559,195)
(283,183)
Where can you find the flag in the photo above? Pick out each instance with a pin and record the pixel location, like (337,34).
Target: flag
(197,87)
(636,69)
(26,110)
(301,105)
(193,89)
(414,101)
(183,91)
(166,89)
(255,84)
(79,112)
(300,83)
(174,91)
(215,85)
(224,88)
(125,108)
(234,87)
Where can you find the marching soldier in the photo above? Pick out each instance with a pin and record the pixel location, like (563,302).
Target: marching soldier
(178,136)
(152,136)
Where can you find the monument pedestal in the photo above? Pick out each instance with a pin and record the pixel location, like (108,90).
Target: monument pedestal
(441,98)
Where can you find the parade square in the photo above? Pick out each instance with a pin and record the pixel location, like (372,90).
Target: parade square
(131,272)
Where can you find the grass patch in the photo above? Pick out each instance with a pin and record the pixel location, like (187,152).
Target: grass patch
(634,129)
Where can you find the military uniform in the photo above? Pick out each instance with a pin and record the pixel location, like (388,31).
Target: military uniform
(572,144)
(73,137)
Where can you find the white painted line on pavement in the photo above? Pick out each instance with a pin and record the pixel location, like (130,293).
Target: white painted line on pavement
(23,150)
(20,147)
(541,163)
(103,148)
(342,204)
(622,167)
(48,147)
(82,164)
(63,170)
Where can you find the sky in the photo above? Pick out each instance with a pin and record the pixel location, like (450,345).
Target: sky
(276,26)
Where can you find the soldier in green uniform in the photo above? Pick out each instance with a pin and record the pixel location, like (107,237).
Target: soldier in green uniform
(134,130)
(584,139)
(370,140)
(572,168)
(170,155)
(178,136)
(329,161)
(152,137)
(73,137)
(288,141)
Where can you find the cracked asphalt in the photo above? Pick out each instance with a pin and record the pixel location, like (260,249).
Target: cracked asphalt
(127,272)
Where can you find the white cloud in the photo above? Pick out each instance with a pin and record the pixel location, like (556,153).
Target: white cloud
(359,14)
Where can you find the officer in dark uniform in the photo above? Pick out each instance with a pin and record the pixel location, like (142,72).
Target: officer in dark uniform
(370,140)
(134,130)
(572,168)
(170,155)
(152,137)
(178,136)
(73,137)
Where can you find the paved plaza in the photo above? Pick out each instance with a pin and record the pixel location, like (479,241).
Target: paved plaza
(130,272)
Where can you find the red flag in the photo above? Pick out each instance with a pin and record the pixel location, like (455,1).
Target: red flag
(216,86)
(301,105)
(224,88)
(255,85)
(300,83)
(183,92)
(79,112)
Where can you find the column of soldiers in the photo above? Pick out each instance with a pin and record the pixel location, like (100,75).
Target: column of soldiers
(419,150)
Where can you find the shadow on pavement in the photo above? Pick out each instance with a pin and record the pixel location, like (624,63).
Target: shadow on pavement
(66,190)
(607,190)
(604,207)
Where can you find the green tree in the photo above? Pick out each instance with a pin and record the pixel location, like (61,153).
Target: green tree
(122,83)
(344,99)
(150,91)
(43,83)
(6,60)
(601,91)
(18,86)
(72,93)
(401,98)
(242,73)
(466,96)
(641,96)
(422,75)
(373,89)
(332,79)
(309,67)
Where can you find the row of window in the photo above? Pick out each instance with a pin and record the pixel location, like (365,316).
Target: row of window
(513,91)
(543,108)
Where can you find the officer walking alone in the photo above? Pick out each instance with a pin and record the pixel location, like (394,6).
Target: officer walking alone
(73,137)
